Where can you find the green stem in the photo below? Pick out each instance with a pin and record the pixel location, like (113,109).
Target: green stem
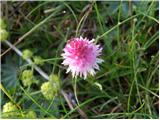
(75,90)
(120,23)
(27,94)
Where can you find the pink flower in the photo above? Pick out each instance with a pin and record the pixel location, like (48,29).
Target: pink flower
(81,57)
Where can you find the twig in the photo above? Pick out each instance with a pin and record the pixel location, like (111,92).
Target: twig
(39,70)
(67,100)
(73,104)
(115,108)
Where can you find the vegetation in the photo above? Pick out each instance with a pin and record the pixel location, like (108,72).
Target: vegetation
(126,86)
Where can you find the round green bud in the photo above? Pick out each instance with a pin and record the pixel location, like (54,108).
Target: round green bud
(27,54)
(55,79)
(38,60)
(10,110)
(2,24)
(31,115)
(3,35)
(49,90)
(27,77)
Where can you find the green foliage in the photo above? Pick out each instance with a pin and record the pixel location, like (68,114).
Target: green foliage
(10,71)
(2,24)
(4,34)
(126,85)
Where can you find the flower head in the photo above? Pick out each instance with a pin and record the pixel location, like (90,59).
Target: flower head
(30,115)
(49,90)
(55,79)
(27,54)
(38,60)
(81,57)
(10,110)
(3,34)
(27,77)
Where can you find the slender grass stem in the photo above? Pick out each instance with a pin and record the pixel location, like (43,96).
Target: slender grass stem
(148,90)
(120,23)
(6,93)
(51,59)
(37,8)
(98,17)
(71,11)
(79,24)
(125,113)
(75,90)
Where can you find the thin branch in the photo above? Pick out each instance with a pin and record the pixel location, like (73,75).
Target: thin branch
(67,100)
(39,70)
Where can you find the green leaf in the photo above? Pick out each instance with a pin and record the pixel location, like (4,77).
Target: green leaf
(10,72)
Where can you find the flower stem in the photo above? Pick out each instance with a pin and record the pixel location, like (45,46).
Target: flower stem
(75,90)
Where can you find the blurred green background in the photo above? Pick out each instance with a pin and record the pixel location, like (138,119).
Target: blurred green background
(128,32)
